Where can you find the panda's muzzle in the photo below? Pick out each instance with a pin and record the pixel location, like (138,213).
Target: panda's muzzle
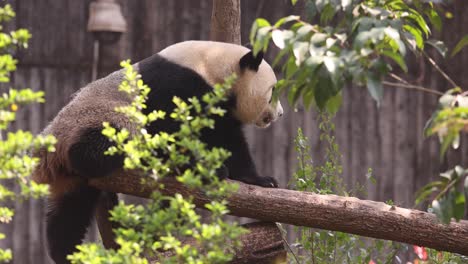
(267,119)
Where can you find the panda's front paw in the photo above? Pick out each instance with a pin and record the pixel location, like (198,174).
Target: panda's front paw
(268,182)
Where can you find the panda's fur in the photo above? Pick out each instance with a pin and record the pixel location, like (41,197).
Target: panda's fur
(185,70)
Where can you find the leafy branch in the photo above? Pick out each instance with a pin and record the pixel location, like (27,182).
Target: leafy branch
(16,164)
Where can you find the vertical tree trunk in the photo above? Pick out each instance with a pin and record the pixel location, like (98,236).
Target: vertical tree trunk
(225,21)
(226,27)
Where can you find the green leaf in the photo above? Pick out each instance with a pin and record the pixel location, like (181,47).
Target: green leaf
(334,103)
(374,86)
(396,57)
(416,33)
(278,58)
(416,17)
(280,37)
(459,205)
(294,93)
(283,20)
(395,36)
(434,18)
(308,97)
(263,37)
(300,49)
(324,90)
(460,45)
(258,24)
(345,4)
(459,171)
(261,22)
(446,142)
(318,38)
(331,63)
(428,189)
(442,210)
(439,46)
(293,2)
(327,14)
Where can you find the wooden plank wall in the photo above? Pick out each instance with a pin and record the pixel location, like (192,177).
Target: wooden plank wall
(387,139)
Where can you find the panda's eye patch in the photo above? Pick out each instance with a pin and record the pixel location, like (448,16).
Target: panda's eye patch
(271,96)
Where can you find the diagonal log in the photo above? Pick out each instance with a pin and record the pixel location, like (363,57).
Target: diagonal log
(331,212)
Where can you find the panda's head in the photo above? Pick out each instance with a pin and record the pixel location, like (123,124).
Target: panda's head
(254,91)
(215,61)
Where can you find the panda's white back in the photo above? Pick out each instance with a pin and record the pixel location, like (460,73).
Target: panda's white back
(215,61)
(212,60)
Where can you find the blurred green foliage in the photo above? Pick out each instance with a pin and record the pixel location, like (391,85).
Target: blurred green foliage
(16,163)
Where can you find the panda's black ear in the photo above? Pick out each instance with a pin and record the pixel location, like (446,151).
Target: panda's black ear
(249,61)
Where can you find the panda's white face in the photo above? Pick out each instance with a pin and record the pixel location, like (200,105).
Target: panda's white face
(273,111)
(215,61)
(255,104)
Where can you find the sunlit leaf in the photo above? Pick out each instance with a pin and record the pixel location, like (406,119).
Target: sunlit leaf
(284,20)
(299,50)
(280,36)
(460,45)
(434,18)
(416,33)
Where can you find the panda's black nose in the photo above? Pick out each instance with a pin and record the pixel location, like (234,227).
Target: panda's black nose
(267,119)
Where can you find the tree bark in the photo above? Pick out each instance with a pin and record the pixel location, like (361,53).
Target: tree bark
(104,224)
(262,244)
(225,21)
(331,212)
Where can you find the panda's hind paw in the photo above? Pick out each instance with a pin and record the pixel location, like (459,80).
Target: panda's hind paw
(268,182)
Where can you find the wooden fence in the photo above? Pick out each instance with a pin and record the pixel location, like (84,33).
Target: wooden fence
(389,139)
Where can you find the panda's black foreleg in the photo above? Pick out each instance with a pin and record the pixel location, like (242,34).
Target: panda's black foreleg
(67,220)
(240,165)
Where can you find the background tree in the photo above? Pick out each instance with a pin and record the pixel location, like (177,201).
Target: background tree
(387,139)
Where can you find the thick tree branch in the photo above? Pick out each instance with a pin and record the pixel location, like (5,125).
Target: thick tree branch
(105,226)
(331,212)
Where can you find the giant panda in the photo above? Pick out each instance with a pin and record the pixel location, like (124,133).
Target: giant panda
(185,70)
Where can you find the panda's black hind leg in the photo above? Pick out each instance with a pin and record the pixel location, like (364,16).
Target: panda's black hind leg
(67,221)
(87,156)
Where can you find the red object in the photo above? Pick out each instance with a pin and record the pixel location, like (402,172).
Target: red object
(421,252)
